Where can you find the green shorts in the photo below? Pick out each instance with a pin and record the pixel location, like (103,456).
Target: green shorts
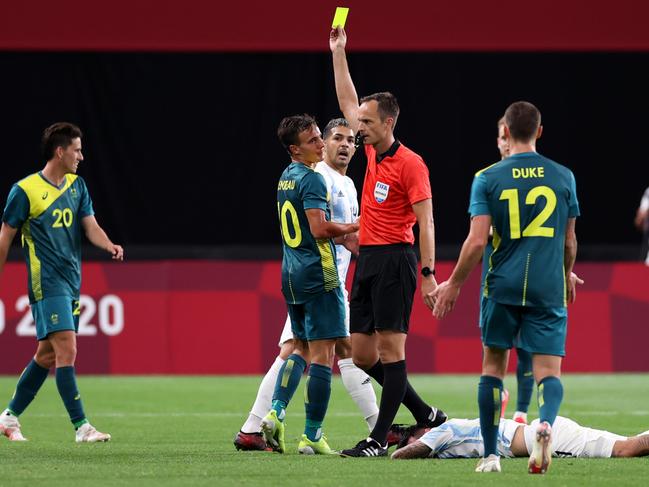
(536,330)
(321,318)
(57,313)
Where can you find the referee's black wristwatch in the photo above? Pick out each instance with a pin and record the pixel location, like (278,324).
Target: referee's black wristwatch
(427,271)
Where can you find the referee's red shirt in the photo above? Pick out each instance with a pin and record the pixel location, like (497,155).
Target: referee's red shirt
(390,189)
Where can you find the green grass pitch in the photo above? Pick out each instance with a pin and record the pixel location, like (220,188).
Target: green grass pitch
(179,431)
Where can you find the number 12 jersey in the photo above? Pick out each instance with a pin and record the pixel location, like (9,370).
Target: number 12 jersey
(530,199)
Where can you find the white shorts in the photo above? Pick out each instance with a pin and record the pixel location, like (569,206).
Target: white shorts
(287,332)
(570,439)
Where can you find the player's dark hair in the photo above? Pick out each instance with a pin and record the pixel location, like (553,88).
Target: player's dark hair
(60,134)
(388,105)
(289,129)
(523,120)
(333,123)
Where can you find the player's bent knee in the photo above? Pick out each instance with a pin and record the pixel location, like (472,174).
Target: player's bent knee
(364,359)
(343,348)
(287,349)
(66,357)
(494,371)
(300,347)
(64,362)
(343,354)
(363,363)
(322,352)
(46,360)
(391,349)
(322,356)
(391,356)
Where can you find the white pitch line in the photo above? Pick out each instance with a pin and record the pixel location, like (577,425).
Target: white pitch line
(335,414)
(241,414)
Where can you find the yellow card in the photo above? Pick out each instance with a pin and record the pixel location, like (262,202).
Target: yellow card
(340,17)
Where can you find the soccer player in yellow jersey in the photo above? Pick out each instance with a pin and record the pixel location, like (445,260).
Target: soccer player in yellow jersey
(52,208)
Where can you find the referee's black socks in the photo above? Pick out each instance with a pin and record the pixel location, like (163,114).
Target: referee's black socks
(415,404)
(395,383)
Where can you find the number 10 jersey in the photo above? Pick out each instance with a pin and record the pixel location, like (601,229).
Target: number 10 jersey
(308,264)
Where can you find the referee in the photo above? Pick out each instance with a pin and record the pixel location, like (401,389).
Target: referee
(396,194)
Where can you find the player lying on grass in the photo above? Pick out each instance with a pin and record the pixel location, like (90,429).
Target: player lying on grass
(461,438)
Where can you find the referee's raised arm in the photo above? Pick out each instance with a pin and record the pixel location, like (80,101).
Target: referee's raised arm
(345,90)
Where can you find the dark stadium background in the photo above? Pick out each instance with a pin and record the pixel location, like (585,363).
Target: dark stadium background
(181,148)
(179,103)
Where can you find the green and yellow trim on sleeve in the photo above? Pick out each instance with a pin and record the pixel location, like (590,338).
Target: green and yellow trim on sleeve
(42,194)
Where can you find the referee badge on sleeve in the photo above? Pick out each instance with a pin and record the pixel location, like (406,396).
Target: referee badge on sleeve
(381,191)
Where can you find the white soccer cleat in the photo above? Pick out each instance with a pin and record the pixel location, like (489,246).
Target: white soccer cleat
(86,433)
(541,456)
(489,464)
(10,427)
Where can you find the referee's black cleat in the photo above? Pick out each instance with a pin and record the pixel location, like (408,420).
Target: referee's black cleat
(436,418)
(366,448)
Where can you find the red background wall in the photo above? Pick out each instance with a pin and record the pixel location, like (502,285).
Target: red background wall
(202,317)
(296,25)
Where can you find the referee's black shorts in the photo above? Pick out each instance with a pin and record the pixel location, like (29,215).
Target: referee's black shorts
(384,287)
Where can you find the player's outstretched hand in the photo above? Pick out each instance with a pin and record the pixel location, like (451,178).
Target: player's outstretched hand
(428,287)
(350,242)
(337,39)
(445,297)
(116,251)
(573,280)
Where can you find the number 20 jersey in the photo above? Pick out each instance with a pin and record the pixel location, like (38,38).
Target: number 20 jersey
(530,199)
(49,218)
(308,265)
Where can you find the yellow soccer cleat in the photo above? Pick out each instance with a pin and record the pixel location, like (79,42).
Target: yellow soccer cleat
(320,447)
(273,430)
